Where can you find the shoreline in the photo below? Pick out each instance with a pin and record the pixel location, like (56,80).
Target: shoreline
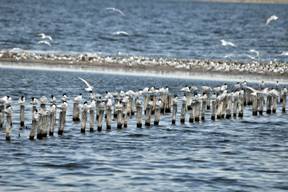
(145,73)
(178,68)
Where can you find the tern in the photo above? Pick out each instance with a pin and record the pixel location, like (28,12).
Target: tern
(124,33)
(271,18)
(45,43)
(115,10)
(227,43)
(284,53)
(43,36)
(89,87)
(254,51)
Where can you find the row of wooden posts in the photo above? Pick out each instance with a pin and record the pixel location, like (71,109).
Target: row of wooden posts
(146,107)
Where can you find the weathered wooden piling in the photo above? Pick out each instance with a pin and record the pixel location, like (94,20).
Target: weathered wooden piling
(213,109)
(229,105)
(1,114)
(157,112)
(197,109)
(108,113)
(168,104)
(62,117)
(138,113)
(284,99)
(8,129)
(92,108)
(203,106)
(148,113)
(119,112)
(240,104)
(35,124)
(183,110)
(125,112)
(21,103)
(260,101)
(52,114)
(101,109)
(254,105)
(274,103)
(43,124)
(76,107)
(85,110)
(268,104)
(174,109)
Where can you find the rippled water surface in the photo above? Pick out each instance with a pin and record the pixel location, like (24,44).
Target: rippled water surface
(172,28)
(248,154)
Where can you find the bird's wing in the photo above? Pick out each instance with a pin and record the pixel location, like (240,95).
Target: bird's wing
(49,37)
(251,89)
(87,84)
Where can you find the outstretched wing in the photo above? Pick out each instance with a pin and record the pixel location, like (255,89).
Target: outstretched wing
(86,83)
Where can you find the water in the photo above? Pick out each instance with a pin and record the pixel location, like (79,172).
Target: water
(248,154)
(169,28)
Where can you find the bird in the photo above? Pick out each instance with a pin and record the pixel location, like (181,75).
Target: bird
(45,42)
(89,87)
(124,33)
(271,18)
(227,43)
(284,53)
(43,36)
(255,92)
(254,51)
(115,10)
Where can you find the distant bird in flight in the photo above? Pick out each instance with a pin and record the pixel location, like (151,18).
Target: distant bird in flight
(271,18)
(89,87)
(45,43)
(227,43)
(284,53)
(124,33)
(115,10)
(43,36)
(254,51)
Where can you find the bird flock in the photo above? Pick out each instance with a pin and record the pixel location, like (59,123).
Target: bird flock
(147,106)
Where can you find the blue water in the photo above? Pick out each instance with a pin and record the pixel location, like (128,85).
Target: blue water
(248,154)
(169,28)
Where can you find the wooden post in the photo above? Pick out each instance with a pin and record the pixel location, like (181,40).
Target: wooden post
(85,109)
(1,114)
(92,108)
(254,105)
(169,101)
(138,112)
(157,112)
(183,110)
(174,109)
(22,110)
(148,113)
(52,119)
(203,106)
(192,111)
(42,118)
(268,104)
(125,112)
(213,110)
(76,107)
(108,113)
(119,108)
(240,104)
(101,109)
(284,99)
(62,117)
(197,110)
(35,124)
(260,101)
(229,106)
(8,112)
(274,103)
